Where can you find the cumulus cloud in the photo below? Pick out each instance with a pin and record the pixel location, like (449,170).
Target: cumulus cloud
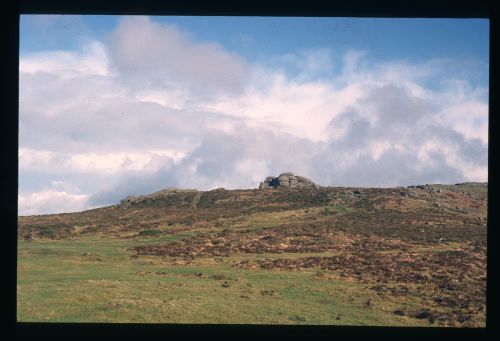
(59,197)
(85,163)
(152,107)
(392,138)
(146,53)
(51,202)
(92,60)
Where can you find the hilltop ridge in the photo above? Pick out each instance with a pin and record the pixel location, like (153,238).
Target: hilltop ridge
(185,207)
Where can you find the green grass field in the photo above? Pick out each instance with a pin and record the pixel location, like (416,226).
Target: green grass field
(57,283)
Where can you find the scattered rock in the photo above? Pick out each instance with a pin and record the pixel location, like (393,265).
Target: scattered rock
(423,314)
(297,318)
(131,200)
(399,312)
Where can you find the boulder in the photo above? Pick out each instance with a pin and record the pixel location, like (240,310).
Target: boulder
(131,199)
(287,180)
(283,178)
(264,185)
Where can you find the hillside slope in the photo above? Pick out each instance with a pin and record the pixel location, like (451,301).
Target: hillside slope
(457,207)
(424,243)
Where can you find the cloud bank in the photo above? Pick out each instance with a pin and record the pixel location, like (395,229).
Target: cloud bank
(151,107)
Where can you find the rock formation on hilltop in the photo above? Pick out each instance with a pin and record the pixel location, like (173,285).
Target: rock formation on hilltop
(287,180)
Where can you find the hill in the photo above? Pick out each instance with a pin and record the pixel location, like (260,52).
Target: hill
(423,248)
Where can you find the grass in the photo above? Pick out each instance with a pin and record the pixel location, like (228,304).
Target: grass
(56,283)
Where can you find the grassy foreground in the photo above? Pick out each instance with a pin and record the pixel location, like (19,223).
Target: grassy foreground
(58,283)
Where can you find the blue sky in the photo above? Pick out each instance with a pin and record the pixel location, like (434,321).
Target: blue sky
(258,37)
(205,100)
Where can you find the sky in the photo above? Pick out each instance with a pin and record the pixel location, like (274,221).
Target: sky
(111,106)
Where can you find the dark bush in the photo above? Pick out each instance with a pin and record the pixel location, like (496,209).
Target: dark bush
(46,233)
(147,233)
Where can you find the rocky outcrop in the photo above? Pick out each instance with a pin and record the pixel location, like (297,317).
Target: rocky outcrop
(132,200)
(287,180)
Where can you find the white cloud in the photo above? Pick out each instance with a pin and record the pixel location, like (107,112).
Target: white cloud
(468,117)
(170,98)
(51,201)
(147,53)
(92,60)
(103,163)
(302,109)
